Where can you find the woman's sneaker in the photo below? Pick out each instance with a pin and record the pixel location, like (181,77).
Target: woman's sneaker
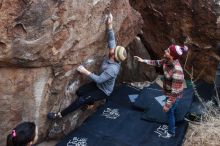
(53,116)
(167,135)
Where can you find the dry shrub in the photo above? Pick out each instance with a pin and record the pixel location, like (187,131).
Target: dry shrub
(206,133)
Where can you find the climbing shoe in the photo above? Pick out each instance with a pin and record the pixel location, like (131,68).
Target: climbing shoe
(53,116)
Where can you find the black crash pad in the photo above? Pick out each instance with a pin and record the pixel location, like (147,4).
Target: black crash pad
(117,124)
(151,100)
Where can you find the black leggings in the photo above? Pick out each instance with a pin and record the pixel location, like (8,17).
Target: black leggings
(87,94)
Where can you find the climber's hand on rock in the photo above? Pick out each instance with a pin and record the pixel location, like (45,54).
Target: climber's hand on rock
(109,20)
(83,70)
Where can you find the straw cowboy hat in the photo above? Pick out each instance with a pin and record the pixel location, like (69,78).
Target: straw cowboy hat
(120,53)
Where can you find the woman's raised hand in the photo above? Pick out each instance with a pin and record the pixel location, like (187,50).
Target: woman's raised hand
(138,59)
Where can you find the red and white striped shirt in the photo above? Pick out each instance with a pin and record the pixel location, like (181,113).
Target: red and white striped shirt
(173,82)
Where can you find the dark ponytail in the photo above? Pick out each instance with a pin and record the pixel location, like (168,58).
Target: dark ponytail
(22,134)
(10,140)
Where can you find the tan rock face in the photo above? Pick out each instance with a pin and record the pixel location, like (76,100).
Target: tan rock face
(41,44)
(23,96)
(170,21)
(42,33)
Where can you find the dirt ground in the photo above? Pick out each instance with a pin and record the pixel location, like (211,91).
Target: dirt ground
(48,143)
